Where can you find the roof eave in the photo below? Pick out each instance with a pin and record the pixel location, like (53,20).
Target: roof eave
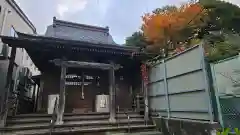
(100,45)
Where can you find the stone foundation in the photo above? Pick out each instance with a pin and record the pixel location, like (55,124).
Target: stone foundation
(185,127)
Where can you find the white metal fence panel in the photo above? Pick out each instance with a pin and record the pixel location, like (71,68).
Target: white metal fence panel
(179,87)
(226,78)
(226,74)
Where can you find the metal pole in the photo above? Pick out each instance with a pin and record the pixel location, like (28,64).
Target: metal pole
(166,87)
(206,80)
(217,94)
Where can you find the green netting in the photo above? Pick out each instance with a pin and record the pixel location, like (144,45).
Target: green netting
(230,109)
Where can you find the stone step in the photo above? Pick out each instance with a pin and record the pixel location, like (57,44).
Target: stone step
(69,118)
(80,130)
(29,126)
(68,114)
(138,133)
(34,116)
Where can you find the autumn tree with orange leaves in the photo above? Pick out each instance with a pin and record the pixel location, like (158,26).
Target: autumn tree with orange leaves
(165,28)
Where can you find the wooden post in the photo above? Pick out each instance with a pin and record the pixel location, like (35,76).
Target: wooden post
(40,94)
(82,86)
(7,87)
(34,91)
(61,105)
(112,90)
(112,94)
(34,97)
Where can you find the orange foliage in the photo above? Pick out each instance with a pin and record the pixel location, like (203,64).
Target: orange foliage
(164,26)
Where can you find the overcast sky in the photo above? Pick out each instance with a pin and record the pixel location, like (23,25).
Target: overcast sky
(122,16)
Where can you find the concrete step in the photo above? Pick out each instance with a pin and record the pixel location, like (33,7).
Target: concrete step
(25,116)
(88,129)
(29,126)
(147,133)
(138,133)
(39,124)
(17,120)
(43,122)
(70,114)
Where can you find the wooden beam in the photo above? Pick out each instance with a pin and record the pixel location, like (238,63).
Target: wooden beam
(7,87)
(61,105)
(80,64)
(112,95)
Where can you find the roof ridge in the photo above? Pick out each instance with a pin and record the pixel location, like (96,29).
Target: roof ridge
(79,25)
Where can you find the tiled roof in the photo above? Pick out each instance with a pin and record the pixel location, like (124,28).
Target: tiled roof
(79,32)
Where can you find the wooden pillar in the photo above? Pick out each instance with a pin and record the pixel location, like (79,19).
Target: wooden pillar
(40,94)
(61,105)
(37,97)
(34,97)
(112,94)
(7,87)
(82,86)
(34,91)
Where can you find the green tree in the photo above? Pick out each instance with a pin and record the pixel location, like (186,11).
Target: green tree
(137,39)
(221,33)
(224,49)
(165,9)
(223,16)
(220,30)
